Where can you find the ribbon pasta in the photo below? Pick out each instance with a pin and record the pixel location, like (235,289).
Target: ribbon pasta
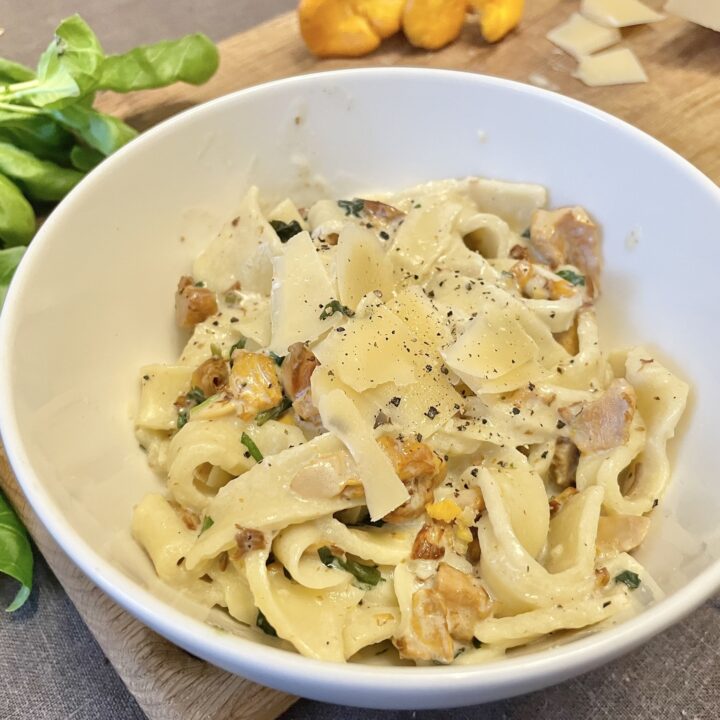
(394,427)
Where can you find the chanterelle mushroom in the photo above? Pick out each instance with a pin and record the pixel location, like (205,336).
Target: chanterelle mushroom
(420,470)
(604,423)
(568,236)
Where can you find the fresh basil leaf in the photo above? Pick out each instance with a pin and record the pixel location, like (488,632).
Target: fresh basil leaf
(252,448)
(264,624)
(9,260)
(16,557)
(104,133)
(75,54)
(41,179)
(572,277)
(17,219)
(85,158)
(13,72)
(192,59)
(274,413)
(629,578)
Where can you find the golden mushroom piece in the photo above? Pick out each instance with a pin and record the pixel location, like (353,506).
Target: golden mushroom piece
(347,28)
(498,17)
(432,24)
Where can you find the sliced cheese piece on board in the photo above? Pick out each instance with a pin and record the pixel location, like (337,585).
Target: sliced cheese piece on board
(579,36)
(619,13)
(614,67)
(301,289)
(384,490)
(702,12)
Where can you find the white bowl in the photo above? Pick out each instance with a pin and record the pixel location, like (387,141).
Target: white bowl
(92,302)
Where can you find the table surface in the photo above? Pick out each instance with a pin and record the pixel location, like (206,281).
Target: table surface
(50,665)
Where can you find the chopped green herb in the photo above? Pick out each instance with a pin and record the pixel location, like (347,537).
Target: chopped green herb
(182,419)
(239,345)
(196,396)
(206,402)
(264,624)
(352,207)
(526,233)
(277,358)
(365,574)
(207,523)
(629,578)
(335,306)
(476,643)
(286,230)
(274,413)
(253,449)
(215,350)
(200,284)
(572,277)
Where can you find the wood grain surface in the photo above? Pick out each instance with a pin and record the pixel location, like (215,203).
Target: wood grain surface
(680,106)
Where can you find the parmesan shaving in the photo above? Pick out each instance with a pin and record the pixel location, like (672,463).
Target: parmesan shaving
(298,298)
(579,36)
(384,490)
(619,13)
(614,67)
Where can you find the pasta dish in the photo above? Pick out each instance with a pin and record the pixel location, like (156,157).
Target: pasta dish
(394,428)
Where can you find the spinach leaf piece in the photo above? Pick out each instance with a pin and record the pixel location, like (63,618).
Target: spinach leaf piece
(285,230)
(9,260)
(192,59)
(38,134)
(16,558)
(365,574)
(13,72)
(85,158)
(207,523)
(70,65)
(264,624)
(572,277)
(352,207)
(335,306)
(41,179)
(274,413)
(17,219)
(629,578)
(104,133)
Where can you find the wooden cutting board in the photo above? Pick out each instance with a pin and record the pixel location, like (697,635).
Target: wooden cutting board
(680,106)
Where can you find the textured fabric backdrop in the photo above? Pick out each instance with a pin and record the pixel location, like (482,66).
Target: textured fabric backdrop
(51,668)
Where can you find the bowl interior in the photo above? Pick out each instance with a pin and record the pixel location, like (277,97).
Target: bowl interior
(94,299)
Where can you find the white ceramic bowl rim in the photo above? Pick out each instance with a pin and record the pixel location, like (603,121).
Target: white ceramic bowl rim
(254,660)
